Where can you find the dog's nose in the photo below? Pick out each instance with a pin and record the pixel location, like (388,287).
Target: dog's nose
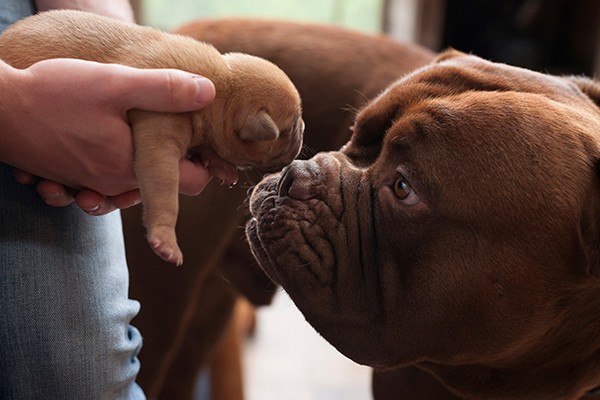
(297,181)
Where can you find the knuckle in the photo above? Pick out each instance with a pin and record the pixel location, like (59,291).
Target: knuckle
(172,87)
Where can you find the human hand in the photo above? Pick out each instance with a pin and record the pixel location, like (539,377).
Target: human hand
(66,120)
(94,203)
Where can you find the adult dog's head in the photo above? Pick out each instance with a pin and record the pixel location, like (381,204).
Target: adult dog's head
(458,230)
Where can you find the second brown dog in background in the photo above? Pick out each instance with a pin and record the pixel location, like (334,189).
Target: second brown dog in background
(336,71)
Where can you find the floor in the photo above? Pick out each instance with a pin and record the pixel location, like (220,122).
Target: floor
(287,359)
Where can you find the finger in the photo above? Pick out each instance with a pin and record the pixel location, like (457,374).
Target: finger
(93,203)
(54,194)
(127,199)
(193,178)
(167,90)
(23,177)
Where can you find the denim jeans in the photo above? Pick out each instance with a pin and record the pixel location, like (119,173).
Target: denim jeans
(12,10)
(65,315)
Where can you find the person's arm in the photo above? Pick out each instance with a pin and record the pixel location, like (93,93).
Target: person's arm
(56,194)
(118,9)
(66,121)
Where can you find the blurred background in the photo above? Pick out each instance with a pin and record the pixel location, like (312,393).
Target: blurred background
(551,35)
(360,14)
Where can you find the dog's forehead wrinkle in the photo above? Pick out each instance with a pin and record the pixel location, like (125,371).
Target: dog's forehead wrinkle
(442,155)
(471,74)
(398,134)
(415,125)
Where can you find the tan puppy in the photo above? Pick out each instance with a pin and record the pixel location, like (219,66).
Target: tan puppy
(254,121)
(458,231)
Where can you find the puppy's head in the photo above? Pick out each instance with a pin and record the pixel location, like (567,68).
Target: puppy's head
(263,126)
(457,226)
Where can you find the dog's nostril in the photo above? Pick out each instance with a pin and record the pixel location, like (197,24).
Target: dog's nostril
(296,182)
(283,186)
(301,127)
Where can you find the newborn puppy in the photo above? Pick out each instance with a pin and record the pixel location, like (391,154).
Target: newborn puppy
(254,121)
(458,232)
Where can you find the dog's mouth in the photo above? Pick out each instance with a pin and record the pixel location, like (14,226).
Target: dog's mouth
(256,201)
(286,236)
(316,260)
(221,169)
(312,233)
(303,228)
(258,250)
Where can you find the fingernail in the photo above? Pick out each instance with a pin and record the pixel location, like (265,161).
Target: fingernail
(134,203)
(52,195)
(92,210)
(205,90)
(52,199)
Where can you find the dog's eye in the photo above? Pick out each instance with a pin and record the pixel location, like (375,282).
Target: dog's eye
(402,188)
(404,191)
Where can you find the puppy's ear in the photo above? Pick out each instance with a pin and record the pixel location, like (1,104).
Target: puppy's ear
(588,86)
(259,127)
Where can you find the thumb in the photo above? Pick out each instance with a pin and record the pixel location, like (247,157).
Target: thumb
(193,177)
(167,90)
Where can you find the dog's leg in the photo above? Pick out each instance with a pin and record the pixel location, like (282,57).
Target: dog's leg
(160,142)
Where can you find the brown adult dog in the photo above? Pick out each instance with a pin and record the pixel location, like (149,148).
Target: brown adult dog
(457,231)
(184,324)
(254,120)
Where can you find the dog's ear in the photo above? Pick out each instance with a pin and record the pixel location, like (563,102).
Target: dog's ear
(259,127)
(590,226)
(588,86)
(591,88)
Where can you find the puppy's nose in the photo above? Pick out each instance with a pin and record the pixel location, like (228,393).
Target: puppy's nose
(297,181)
(300,126)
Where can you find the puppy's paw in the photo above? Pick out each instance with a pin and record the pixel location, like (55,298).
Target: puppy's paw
(164,244)
(224,171)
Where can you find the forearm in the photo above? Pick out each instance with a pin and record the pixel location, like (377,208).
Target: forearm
(119,9)
(9,79)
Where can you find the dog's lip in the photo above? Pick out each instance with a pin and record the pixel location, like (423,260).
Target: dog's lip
(258,250)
